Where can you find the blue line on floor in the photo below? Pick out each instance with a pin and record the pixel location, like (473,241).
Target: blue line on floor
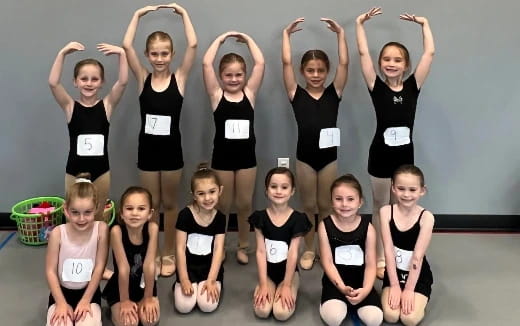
(355,320)
(6,240)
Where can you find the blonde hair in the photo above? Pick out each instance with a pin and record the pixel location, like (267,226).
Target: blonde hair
(83,188)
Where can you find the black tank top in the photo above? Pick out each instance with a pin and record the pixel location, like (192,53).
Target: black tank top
(89,125)
(352,275)
(135,254)
(227,110)
(167,103)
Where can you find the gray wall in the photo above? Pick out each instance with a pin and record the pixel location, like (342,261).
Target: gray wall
(465,137)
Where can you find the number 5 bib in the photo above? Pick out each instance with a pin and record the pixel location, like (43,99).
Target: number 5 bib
(90,145)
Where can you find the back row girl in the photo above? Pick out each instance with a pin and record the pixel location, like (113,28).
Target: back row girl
(160,160)
(316,112)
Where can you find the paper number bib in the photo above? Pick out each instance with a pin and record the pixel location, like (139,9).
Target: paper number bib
(350,255)
(397,136)
(403,258)
(237,129)
(77,270)
(276,251)
(199,244)
(158,125)
(329,137)
(90,145)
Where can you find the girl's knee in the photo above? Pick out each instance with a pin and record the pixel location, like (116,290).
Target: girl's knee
(371,315)
(280,313)
(205,305)
(390,315)
(411,319)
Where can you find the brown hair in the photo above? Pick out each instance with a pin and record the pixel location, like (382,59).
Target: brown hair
(158,36)
(204,172)
(82,189)
(86,62)
(410,169)
(130,191)
(279,170)
(230,58)
(315,55)
(402,49)
(349,180)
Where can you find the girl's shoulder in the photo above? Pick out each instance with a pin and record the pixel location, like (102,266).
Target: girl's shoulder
(427,218)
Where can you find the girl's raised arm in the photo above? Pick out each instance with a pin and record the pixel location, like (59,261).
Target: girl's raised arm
(208,71)
(340,79)
(191,50)
(117,90)
(289,77)
(257,73)
(423,67)
(63,98)
(367,66)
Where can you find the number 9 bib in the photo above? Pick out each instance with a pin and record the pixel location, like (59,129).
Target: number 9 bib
(397,136)
(77,270)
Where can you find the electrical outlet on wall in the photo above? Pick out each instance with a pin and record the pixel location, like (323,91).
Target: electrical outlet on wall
(283,162)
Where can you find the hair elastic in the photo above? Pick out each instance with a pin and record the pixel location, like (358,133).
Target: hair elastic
(78,180)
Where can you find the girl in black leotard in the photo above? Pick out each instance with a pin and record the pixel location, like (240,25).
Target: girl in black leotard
(161,94)
(407,230)
(394,99)
(316,111)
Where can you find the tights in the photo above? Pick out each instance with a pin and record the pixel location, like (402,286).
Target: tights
(94,320)
(185,304)
(334,311)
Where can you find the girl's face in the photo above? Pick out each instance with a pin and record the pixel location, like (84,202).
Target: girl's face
(346,201)
(233,77)
(280,189)
(136,210)
(80,213)
(160,55)
(407,189)
(206,193)
(393,64)
(315,73)
(88,80)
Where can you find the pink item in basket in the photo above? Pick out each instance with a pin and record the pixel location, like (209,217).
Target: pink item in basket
(40,210)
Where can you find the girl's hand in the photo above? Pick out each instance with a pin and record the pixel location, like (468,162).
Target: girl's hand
(72,47)
(413,18)
(371,13)
(128,312)
(357,295)
(143,11)
(81,310)
(148,309)
(187,288)
(62,313)
(109,49)
(407,301)
(394,297)
(346,290)
(211,289)
(332,25)
(284,293)
(261,296)
(176,8)
(293,27)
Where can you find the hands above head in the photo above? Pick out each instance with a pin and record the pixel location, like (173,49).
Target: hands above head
(293,26)
(369,14)
(332,25)
(109,49)
(176,8)
(72,47)
(143,11)
(413,18)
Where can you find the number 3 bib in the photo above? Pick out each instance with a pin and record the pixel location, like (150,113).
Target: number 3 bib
(77,270)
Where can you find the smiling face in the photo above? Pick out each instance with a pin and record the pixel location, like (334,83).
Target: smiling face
(206,193)
(346,201)
(88,80)
(136,210)
(279,188)
(394,60)
(80,213)
(315,73)
(160,53)
(233,76)
(407,189)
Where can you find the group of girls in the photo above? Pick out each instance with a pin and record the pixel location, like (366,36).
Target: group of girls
(78,250)
(232,98)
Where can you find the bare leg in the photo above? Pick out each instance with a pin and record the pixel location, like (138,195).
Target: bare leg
(227,178)
(380,197)
(116,316)
(170,181)
(245,187)
(142,317)
(265,310)
(417,314)
(326,176)
(307,180)
(281,313)
(390,315)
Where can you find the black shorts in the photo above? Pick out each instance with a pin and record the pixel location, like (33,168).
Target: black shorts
(135,292)
(74,296)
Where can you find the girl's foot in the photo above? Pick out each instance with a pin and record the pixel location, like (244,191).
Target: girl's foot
(307,260)
(167,265)
(242,257)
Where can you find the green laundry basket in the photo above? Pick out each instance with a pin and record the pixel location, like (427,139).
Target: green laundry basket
(33,229)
